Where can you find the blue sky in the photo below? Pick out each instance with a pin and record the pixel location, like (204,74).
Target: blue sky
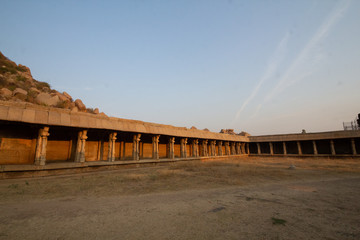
(263,67)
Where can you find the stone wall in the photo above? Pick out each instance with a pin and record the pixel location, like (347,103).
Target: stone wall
(38,136)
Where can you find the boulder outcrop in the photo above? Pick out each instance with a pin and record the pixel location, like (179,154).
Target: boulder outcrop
(18,85)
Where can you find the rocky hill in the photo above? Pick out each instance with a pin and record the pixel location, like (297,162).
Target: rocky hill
(18,85)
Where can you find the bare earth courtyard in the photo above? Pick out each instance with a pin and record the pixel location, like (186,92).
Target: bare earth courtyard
(237,198)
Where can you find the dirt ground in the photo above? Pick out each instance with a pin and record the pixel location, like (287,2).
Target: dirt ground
(237,198)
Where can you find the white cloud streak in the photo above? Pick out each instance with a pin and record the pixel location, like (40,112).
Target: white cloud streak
(310,56)
(271,70)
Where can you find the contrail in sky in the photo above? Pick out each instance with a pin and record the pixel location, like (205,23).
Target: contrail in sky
(295,72)
(271,69)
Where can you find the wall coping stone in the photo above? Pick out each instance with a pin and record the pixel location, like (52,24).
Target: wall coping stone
(306,136)
(36,114)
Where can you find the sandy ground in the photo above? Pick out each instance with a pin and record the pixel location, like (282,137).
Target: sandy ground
(233,199)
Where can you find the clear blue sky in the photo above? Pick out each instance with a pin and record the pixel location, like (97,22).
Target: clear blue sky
(258,66)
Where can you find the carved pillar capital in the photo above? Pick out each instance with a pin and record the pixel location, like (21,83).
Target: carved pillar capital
(183,141)
(156,138)
(84,135)
(137,137)
(44,132)
(112,136)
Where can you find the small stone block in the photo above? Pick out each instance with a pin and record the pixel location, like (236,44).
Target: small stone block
(15,114)
(28,115)
(4,112)
(105,123)
(41,117)
(98,123)
(54,118)
(84,121)
(75,120)
(65,119)
(91,122)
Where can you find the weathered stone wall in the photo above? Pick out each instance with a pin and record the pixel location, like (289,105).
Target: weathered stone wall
(163,150)
(146,150)
(17,144)
(128,150)
(39,136)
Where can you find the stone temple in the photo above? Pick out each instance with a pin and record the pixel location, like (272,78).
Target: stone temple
(41,139)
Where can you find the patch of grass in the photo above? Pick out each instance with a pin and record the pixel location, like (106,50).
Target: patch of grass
(3,81)
(21,68)
(41,85)
(12,87)
(153,177)
(13,186)
(20,78)
(278,221)
(4,69)
(61,104)
(90,110)
(32,93)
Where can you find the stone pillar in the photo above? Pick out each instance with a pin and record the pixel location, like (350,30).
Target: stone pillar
(227,148)
(195,148)
(80,146)
(220,153)
(271,148)
(204,152)
(40,152)
(112,139)
(232,148)
(247,148)
(155,147)
(332,147)
(238,148)
(214,148)
(353,147)
(284,148)
(314,147)
(299,148)
(171,147)
(258,148)
(183,152)
(136,147)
